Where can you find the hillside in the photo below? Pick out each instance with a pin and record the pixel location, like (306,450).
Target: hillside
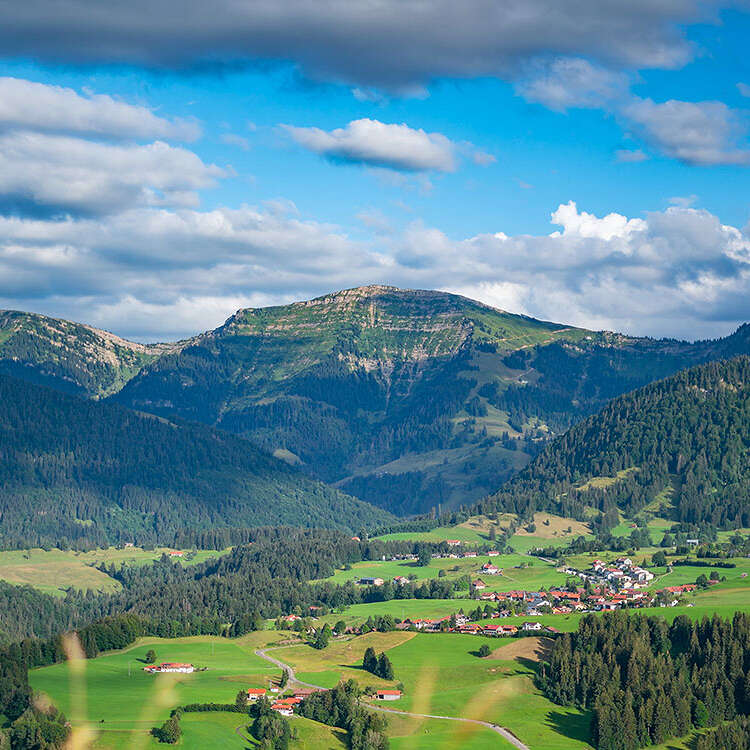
(71,357)
(408,399)
(347,383)
(679,446)
(75,469)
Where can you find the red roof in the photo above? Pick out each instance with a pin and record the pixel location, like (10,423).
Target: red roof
(389,692)
(256,691)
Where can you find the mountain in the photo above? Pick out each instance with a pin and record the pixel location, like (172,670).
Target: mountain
(71,357)
(679,447)
(76,469)
(346,384)
(405,398)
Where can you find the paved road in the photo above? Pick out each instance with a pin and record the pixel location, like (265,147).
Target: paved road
(506,734)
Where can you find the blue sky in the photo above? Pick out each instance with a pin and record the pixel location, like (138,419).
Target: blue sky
(304,154)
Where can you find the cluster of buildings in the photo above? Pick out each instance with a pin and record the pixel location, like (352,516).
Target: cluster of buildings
(169,666)
(285,705)
(621,574)
(460,624)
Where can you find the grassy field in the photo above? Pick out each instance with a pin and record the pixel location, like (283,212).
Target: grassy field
(434,734)
(550,530)
(443,676)
(53,571)
(341,660)
(112,692)
(519,571)
(226,731)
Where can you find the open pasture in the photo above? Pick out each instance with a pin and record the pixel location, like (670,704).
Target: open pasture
(443,676)
(113,692)
(54,571)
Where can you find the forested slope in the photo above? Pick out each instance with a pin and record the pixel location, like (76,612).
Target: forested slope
(408,399)
(70,357)
(682,442)
(75,469)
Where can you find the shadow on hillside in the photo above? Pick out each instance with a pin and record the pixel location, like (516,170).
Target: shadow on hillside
(575,726)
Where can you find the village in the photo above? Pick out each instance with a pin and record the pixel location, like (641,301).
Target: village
(604,587)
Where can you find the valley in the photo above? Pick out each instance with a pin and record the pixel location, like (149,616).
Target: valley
(461,491)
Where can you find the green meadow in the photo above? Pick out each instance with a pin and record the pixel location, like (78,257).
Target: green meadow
(518,571)
(54,571)
(113,692)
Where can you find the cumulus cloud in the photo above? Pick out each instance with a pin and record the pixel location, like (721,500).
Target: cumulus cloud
(388,44)
(41,107)
(699,133)
(380,144)
(564,83)
(156,273)
(44,174)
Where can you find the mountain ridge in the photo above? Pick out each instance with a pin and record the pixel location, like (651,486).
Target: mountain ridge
(406,398)
(682,443)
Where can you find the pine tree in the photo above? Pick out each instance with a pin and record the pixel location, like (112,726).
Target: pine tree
(370,661)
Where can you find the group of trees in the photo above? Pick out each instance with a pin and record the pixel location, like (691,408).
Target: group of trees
(646,680)
(340,707)
(690,433)
(380,666)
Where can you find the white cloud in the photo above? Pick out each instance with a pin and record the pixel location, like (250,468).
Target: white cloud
(583,224)
(380,144)
(698,133)
(158,273)
(27,105)
(51,174)
(744,89)
(564,83)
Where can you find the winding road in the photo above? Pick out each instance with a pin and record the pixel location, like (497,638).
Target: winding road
(504,733)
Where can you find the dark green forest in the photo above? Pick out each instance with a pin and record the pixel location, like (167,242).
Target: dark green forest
(76,471)
(681,442)
(646,681)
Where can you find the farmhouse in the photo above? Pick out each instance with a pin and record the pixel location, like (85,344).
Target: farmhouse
(388,695)
(478,584)
(489,569)
(453,542)
(254,693)
(169,666)
(368,581)
(401,580)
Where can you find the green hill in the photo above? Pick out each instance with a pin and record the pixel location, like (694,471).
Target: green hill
(71,357)
(680,446)
(73,469)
